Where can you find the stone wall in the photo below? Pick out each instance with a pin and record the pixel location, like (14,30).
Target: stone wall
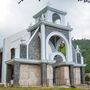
(66,75)
(59,76)
(77,76)
(49,75)
(30,75)
(62,75)
(35,48)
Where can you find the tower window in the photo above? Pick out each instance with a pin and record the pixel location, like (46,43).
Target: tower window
(56,18)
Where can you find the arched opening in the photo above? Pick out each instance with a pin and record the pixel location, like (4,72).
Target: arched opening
(78,58)
(12,53)
(56,18)
(56,42)
(58,59)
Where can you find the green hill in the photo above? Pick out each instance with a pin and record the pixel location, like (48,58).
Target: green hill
(84,45)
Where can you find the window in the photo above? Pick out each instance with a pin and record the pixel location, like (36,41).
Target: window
(23,51)
(12,53)
(56,18)
(78,58)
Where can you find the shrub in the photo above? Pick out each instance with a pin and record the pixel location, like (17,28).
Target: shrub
(87,78)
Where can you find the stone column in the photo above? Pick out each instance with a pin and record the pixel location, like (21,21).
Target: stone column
(16,73)
(8,77)
(82,72)
(43,74)
(71,74)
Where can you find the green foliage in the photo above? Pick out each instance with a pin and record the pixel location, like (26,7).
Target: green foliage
(87,78)
(62,48)
(84,45)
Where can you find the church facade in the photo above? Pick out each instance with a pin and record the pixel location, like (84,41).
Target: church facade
(43,54)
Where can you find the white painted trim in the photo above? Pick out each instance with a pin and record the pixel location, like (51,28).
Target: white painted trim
(31,40)
(57,53)
(82,60)
(32,36)
(70,47)
(52,46)
(43,46)
(63,37)
(58,43)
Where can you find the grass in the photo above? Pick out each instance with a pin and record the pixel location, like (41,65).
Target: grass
(37,88)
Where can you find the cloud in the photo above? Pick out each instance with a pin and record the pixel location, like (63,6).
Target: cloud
(14,17)
(79,18)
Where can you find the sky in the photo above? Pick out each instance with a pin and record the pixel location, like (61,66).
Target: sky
(16,17)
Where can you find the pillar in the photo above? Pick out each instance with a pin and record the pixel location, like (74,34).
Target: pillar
(70,47)
(16,73)
(43,42)
(43,64)
(82,72)
(71,74)
(43,74)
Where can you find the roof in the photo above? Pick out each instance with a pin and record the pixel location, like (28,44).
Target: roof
(66,28)
(51,9)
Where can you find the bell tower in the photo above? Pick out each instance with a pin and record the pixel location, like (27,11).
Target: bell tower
(51,15)
(56,46)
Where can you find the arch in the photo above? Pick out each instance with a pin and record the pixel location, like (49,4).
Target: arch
(60,35)
(56,18)
(52,47)
(57,53)
(78,54)
(12,53)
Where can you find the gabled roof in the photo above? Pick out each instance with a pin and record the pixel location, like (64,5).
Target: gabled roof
(51,9)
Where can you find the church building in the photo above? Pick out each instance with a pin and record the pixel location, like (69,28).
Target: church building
(43,55)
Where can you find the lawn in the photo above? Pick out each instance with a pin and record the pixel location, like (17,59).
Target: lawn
(38,88)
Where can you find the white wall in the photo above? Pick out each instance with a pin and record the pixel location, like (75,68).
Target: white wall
(12,42)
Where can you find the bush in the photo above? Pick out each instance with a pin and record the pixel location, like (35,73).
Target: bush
(87,78)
